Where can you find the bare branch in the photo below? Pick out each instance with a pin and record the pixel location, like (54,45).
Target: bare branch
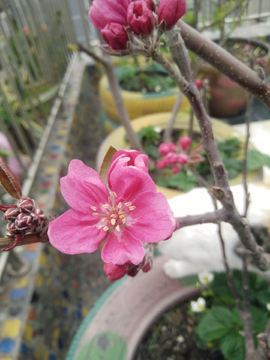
(210,217)
(29,239)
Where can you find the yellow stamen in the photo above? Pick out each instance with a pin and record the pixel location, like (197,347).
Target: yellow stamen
(94,208)
(118,228)
(105,228)
(113,222)
(132,207)
(119,205)
(128,204)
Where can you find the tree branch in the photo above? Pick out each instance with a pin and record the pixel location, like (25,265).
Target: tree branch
(225,62)
(29,239)
(214,217)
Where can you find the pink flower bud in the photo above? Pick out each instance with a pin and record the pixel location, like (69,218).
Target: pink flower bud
(171,11)
(199,84)
(150,4)
(171,158)
(115,35)
(165,148)
(27,205)
(11,213)
(161,164)
(175,170)
(114,272)
(182,159)
(140,18)
(185,142)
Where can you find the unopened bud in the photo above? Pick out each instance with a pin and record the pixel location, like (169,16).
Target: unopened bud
(170,11)
(182,158)
(185,142)
(11,213)
(23,221)
(27,205)
(165,148)
(140,18)
(115,35)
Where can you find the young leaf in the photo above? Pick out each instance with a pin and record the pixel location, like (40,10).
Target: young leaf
(106,164)
(216,323)
(9,181)
(232,346)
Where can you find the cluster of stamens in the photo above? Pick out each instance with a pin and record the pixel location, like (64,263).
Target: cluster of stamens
(113,216)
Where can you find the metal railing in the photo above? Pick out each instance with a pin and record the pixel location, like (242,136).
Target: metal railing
(34,57)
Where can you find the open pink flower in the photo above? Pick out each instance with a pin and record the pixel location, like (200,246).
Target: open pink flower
(126,213)
(103,12)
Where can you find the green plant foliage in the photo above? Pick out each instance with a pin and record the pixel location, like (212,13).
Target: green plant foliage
(149,78)
(148,135)
(256,159)
(221,324)
(183,181)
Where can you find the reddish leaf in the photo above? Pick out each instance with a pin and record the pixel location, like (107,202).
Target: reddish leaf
(9,181)
(106,164)
(15,243)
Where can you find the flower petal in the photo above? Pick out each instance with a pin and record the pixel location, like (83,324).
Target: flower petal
(74,233)
(131,158)
(122,247)
(128,182)
(103,12)
(152,220)
(83,187)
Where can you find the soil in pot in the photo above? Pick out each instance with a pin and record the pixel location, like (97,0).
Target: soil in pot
(171,338)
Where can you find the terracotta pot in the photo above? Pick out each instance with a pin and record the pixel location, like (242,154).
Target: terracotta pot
(221,130)
(113,329)
(229,98)
(137,103)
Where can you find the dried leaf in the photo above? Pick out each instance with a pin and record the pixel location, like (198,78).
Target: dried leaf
(9,181)
(106,164)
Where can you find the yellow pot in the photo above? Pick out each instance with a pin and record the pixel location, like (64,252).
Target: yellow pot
(221,130)
(138,104)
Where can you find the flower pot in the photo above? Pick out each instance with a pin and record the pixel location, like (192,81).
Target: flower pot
(229,98)
(113,329)
(137,103)
(221,130)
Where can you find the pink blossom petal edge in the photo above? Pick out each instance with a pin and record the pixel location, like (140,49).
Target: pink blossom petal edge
(121,248)
(153,219)
(74,233)
(102,12)
(83,187)
(128,182)
(131,158)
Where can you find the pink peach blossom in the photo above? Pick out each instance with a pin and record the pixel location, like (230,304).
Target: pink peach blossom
(103,12)
(126,214)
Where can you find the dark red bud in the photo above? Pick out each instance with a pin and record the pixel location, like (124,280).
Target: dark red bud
(140,18)
(115,35)
(27,205)
(170,11)
(11,213)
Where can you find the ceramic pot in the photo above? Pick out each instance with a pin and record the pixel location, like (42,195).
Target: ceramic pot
(113,329)
(137,103)
(229,98)
(221,130)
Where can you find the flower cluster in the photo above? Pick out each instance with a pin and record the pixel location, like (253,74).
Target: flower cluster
(126,212)
(120,20)
(24,218)
(177,156)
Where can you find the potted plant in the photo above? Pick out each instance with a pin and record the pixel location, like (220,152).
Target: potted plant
(222,131)
(146,89)
(227,97)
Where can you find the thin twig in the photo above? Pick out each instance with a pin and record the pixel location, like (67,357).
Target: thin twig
(248,118)
(210,217)
(29,239)
(169,128)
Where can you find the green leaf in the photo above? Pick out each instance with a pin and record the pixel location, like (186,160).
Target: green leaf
(259,319)
(152,150)
(216,323)
(162,181)
(232,346)
(183,181)
(256,159)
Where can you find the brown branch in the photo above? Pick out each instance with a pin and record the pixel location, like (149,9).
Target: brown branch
(29,239)
(214,217)
(225,62)
(169,128)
